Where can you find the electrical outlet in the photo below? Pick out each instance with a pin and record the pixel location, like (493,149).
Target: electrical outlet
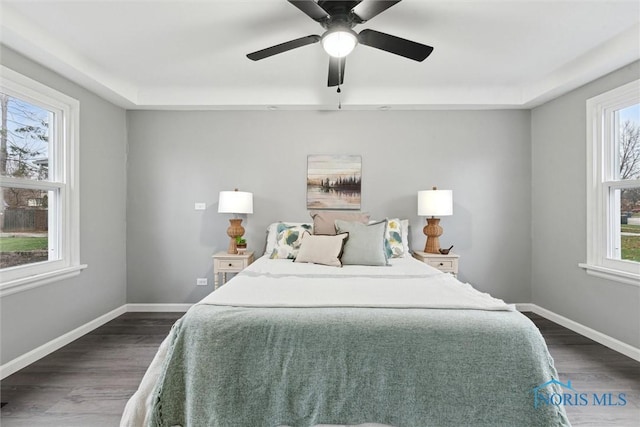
(200,206)
(201,281)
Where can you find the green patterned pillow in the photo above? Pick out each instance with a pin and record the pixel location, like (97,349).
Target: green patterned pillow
(288,241)
(393,239)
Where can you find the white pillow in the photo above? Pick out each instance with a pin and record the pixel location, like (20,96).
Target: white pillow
(321,249)
(272,234)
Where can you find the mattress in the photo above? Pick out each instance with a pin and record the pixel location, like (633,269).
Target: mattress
(405,283)
(295,344)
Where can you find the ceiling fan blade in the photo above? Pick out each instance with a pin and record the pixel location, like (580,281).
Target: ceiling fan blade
(395,45)
(368,8)
(311,9)
(336,71)
(283,47)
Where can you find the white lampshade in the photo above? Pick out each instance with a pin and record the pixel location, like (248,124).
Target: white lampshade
(236,202)
(339,42)
(435,202)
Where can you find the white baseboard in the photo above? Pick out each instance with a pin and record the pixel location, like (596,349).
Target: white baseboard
(525,307)
(53,345)
(147,308)
(585,331)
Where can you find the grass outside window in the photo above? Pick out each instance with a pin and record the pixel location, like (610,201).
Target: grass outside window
(23,244)
(16,250)
(630,243)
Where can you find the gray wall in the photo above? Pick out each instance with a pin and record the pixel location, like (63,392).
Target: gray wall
(34,317)
(559,219)
(490,159)
(179,158)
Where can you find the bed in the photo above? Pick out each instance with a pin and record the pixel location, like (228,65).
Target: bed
(296,344)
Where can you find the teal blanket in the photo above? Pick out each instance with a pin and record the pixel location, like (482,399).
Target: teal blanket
(263,367)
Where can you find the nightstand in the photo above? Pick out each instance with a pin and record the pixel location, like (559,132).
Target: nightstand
(445,263)
(224,263)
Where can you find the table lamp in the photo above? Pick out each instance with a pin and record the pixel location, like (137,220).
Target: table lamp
(235,202)
(432,203)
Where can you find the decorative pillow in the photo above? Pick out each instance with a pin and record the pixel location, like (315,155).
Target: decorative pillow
(404,223)
(324,222)
(272,233)
(365,245)
(288,240)
(393,239)
(319,249)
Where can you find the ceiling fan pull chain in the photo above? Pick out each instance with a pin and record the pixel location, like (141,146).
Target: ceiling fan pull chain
(339,81)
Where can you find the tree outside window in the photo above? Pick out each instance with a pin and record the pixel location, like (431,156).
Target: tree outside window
(629,169)
(24,155)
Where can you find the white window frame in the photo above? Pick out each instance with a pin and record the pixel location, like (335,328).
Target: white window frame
(64,210)
(603,209)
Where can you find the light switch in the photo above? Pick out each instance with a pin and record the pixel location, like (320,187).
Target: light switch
(201,206)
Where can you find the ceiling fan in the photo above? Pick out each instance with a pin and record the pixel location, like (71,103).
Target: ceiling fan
(338,19)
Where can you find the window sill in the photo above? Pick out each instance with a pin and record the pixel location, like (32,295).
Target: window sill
(30,282)
(611,274)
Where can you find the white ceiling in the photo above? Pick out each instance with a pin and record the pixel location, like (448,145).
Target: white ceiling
(191,54)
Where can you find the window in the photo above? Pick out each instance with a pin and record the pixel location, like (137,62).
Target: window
(613,184)
(39,206)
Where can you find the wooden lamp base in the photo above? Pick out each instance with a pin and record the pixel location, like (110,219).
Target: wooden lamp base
(432,230)
(235,230)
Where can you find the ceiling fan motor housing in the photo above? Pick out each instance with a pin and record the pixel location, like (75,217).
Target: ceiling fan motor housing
(339,41)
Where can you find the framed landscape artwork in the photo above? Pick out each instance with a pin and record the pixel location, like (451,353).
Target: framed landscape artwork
(334,181)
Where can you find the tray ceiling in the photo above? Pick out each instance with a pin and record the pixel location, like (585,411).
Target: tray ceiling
(191,54)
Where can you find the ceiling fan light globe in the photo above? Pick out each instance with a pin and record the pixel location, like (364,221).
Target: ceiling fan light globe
(339,43)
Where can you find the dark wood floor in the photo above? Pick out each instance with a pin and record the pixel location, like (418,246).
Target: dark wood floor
(88,382)
(593,368)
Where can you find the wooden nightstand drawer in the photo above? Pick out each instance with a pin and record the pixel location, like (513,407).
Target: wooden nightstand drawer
(224,263)
(445,263)
(441,265)
(230,264)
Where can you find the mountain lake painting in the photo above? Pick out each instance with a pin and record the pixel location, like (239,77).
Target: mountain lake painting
(334,181)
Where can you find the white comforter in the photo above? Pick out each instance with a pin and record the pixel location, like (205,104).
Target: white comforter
(406,283)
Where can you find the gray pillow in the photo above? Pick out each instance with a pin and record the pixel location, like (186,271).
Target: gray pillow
(365,245)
